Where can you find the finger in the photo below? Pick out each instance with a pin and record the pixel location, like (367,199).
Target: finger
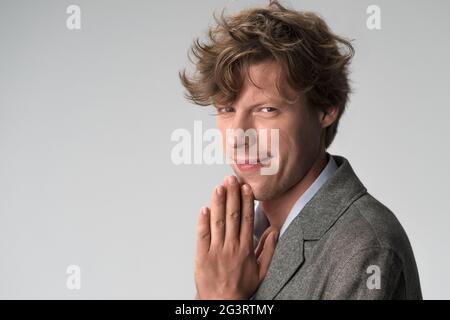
(266,255)
(233,209)
(203,232)
(247,216)
(217,219)
(263,239)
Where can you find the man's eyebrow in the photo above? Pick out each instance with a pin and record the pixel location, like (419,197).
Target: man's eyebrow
(249,107)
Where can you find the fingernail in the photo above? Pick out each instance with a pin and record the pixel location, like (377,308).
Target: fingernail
(246,189)
(231,180)
(219,190)
(204,210)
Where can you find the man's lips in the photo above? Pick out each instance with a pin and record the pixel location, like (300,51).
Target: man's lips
(247,161)
(247,165)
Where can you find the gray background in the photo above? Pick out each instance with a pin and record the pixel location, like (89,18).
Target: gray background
(85,124)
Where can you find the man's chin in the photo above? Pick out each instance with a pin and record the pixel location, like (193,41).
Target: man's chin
(262,197)
(258,183)
(261,192)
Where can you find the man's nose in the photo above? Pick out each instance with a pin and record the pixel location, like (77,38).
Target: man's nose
(242,132)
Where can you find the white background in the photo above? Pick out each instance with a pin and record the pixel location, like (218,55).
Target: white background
(85,124)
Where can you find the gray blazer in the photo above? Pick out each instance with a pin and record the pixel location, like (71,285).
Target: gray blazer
(344,244)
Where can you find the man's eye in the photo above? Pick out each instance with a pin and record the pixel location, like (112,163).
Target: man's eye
(268,109)
(225,110)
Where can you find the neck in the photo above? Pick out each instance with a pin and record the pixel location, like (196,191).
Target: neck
(277,209)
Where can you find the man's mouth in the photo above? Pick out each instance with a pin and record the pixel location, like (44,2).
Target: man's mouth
(247,164)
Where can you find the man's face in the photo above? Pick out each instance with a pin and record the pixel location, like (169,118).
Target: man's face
(299,131)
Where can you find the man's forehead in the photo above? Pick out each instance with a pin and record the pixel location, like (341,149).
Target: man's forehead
(262,78)
(259,84)
(266,81)
(262,84)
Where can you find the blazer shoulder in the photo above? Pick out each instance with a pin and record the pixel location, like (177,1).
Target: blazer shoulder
(369,233)
(368,223)
(385,226)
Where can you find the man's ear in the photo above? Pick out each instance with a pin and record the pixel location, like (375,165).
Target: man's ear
(328,116)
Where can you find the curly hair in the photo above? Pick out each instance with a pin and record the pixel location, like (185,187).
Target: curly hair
(314,61)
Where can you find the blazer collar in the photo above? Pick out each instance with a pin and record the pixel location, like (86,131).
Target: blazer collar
(328,204)
(316,217)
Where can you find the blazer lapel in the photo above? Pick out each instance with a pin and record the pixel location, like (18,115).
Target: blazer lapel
(287,258)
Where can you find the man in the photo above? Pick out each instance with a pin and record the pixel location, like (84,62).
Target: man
(319,233)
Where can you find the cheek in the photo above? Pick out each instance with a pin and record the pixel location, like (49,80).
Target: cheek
(291,142)
(221,125)
(298,143)
(223,135)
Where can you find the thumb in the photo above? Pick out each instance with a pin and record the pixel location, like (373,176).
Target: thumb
(266,254)
(262,240)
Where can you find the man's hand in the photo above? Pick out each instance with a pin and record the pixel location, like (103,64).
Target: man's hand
(226,264)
